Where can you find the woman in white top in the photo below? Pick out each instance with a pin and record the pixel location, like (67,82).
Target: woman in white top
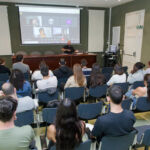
(37,74)
(118,77)
(77,79)
(47,81)
(137,74)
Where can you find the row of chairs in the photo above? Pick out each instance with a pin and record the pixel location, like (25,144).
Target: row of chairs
(88,112)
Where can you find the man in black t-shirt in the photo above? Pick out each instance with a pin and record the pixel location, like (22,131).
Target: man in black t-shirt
(116,123)
(69,49)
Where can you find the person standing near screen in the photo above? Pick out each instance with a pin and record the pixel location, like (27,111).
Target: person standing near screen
(69,49)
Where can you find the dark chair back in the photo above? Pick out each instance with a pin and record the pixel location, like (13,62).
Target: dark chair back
(27,76)
(124,86)
(24,118)
(125,69)
(146,138)
(44,97)
(24,94)
(61,81)
(107,76)
(74,93)
(49,115)
(89,111)
(98,91)
(4,77)
(138,84)
(126,104)
(83,146)
(118,143)
(107,70)
(142,104)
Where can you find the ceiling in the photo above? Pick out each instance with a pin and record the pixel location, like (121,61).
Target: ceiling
(88,3)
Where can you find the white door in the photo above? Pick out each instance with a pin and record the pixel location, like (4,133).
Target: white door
(134,23)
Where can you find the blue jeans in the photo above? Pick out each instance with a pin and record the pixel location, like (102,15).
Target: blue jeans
(129,95)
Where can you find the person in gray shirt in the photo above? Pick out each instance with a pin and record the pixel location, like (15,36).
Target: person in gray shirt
(24,103)
(20,65)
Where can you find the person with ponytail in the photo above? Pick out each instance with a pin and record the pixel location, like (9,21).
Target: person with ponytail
(137,74)
(68,130)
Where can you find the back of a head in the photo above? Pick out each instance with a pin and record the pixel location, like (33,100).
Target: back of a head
(42,63)
(1,61)
(147,80)
(83,62)
(116,94)
(8,106)
(118,69)
(78,74)
(19,58)
(97,79)
(68,129)
(139,65)
(62,61)
(95,68)
(44,70)
(8,89)
(17,79)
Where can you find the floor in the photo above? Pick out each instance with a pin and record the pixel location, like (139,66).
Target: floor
(141,119)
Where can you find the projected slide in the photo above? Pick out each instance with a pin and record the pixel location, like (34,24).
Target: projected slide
(49,25)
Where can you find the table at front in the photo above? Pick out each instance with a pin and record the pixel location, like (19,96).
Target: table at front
(53,60)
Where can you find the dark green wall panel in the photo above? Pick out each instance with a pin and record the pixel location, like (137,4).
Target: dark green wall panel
(118,19)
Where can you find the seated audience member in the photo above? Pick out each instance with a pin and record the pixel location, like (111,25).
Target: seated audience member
(96,78)
(17,80)
(77,79)
(47,81)
(137,74)
(63,71)
(147,71)
(24,103)
(12,137)
(3,68)
(20,65)
(117,122)
(85,69)
(37,74)
(68,130)
(140,91)
(118,77)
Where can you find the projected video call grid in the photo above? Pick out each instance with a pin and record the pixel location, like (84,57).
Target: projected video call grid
(49,28)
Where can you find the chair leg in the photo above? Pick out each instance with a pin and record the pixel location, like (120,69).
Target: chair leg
(146,147)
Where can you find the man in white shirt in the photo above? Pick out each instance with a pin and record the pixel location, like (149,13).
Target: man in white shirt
(47,81)
(24,103)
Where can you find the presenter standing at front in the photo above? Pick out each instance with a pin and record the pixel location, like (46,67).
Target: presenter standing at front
(69,49)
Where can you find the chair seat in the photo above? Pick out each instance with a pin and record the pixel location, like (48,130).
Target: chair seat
(141,130)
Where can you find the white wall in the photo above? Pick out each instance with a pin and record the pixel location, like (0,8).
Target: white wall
(96,31)
(5,43)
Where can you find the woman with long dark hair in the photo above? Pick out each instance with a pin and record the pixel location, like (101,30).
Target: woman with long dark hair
(96,78)
(137,74)
(77,79)
(18,81)
(68,129)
